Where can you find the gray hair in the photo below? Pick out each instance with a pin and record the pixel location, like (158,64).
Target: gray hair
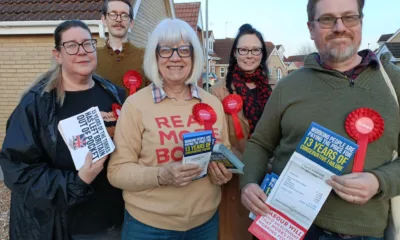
(172,31)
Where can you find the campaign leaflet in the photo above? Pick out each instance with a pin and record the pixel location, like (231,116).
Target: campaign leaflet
(197,147)
(301,189)
(267,185)
(221,154)
(86,132)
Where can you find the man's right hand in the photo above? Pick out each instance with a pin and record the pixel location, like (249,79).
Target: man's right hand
(253,198)
(90,170)
(178,174)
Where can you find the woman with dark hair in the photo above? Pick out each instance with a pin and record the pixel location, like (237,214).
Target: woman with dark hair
(50,199)
(243,93)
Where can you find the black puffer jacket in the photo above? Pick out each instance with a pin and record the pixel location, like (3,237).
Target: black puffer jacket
(40,193)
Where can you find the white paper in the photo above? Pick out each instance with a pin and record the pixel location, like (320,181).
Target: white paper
(301,190)
(86,132)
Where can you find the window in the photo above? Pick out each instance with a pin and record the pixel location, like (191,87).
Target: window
(222,72)
(210,46)
(278,74)
(269,71)
(213,69)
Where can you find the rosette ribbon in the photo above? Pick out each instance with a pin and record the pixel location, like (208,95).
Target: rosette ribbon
(116,108)
(132,81)
(233,104)
(205,115)
(364,125)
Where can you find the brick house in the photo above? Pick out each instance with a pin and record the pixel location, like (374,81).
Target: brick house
(277,69)
(26,38)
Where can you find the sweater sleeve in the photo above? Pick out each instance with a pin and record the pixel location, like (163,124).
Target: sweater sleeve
(263,141)
(124,172)
(388,175)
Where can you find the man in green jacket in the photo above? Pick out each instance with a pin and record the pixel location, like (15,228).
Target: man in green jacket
(331,85)
(119,56)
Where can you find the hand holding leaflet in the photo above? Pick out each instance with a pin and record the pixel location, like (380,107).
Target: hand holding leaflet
(301,189)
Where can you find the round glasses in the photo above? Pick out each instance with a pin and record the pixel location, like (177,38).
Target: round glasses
(328,22)
(245,51)
(114,16)
(72,47)
(167,52)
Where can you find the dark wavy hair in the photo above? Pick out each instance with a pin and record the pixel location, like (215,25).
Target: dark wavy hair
(245,29)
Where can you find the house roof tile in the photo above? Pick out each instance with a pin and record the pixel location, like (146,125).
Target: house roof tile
(47,10)
(188,12)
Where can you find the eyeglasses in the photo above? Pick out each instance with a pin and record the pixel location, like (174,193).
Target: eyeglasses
(114,16)
(245,51)
(167,52)
(72,47)
(328,22)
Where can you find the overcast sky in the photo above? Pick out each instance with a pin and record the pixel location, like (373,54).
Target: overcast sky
(284,21)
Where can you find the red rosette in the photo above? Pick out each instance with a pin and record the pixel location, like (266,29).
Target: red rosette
(116,108)
(132,80)
(364,125)
(233,104)
(205,115)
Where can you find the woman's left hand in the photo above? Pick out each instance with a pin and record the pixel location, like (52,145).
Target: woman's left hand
(218,173)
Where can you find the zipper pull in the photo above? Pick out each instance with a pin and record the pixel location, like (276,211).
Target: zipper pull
(351,82)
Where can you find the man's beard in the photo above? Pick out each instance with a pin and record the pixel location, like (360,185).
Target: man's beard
(337,55)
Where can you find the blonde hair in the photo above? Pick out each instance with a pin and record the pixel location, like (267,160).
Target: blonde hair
(172,31)
(52,79)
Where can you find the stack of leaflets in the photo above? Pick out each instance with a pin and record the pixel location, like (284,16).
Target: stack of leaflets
(222,154)
(267,185)
(86,132)
(199,148)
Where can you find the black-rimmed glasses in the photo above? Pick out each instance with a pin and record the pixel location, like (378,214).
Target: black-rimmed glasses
(167,52)
(114,16)
(245,51)
(328,22)
(72,47)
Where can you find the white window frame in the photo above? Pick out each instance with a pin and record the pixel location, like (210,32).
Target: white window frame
(270,71)
(222,72)
(278,74)
(213,68)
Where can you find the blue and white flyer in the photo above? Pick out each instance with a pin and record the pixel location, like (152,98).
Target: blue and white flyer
(301,189)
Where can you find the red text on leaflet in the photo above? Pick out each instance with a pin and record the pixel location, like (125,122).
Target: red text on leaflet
(276,226)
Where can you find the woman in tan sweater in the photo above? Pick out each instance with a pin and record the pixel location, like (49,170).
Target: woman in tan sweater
(246,82)
(161,199)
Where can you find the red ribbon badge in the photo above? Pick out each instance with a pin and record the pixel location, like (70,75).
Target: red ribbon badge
(233,104)
(116,108)
(204,115)
(364,125)
(132,81)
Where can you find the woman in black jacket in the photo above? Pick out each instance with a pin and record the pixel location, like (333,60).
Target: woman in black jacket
(50,198)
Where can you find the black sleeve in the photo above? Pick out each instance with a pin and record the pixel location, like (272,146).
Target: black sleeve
(25,168)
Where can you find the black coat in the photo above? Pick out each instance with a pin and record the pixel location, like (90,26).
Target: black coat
(40,193)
